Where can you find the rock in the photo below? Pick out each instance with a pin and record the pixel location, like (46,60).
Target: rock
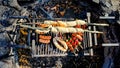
(118,22)
(110,5)
(115,2)
(58,64)
(14,3)
(6,63)
(4,41)
(96,1)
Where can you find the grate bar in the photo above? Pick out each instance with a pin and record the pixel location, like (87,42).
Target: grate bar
(90,35)
(110,44)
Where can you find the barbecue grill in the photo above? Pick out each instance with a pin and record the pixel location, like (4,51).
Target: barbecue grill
(48,50)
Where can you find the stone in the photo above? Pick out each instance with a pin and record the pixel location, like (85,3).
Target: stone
(96,1)
(6,63)
(111,4)
(14,3)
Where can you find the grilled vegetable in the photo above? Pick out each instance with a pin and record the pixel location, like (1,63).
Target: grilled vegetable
(70,46)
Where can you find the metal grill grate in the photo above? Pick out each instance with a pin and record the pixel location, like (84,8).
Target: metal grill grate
(48,50)
(42,50)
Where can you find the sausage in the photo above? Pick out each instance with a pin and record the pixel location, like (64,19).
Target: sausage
(44,37)
(44,41)
(79,37)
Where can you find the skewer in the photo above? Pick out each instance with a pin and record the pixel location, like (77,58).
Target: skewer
(93,31)
(89,24)
(107,17)
(97,24)
(48,29)
(30,27)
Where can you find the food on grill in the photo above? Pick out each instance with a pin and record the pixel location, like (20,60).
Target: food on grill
(58,23)
(69,23)
(61,24)
(84,26)
(44,37)
(72,43)
(74,40)
(41,31)
(81,26)
(70,46)
(79,37)
(66,30)
(77,33)
(78,26)
(59,29)
(43,25)
(60,44)
(45,41)
(74,28)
